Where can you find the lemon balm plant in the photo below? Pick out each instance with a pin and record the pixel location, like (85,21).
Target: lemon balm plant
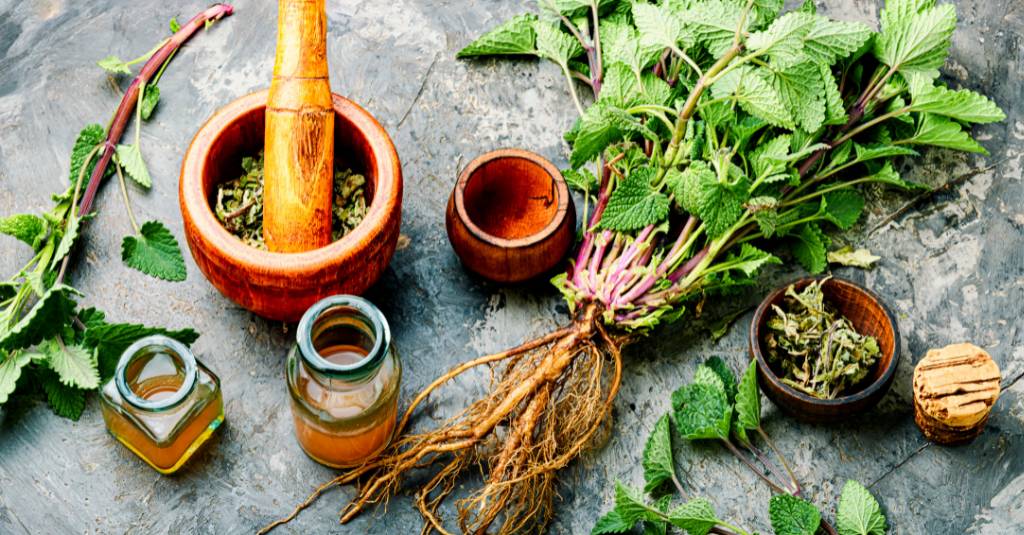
(717,131)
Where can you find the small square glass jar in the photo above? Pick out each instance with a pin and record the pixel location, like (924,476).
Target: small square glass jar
(343,376)
(162,403)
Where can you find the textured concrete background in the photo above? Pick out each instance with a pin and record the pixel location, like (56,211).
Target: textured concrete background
(952,271)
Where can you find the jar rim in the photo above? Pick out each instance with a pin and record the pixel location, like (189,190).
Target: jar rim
(178,349)
(360,369)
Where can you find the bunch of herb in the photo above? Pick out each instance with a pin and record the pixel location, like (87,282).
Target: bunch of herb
(717,128)
(818,350)
(239,205)
(710,416)
(46,343)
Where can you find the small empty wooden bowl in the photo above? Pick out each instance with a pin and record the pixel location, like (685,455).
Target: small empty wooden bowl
(282,286)
(510,217)
(869,316)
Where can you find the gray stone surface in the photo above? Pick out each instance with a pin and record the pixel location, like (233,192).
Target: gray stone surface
(954,270)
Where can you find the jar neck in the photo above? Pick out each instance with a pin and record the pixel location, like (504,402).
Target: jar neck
(177,357)
(343,338)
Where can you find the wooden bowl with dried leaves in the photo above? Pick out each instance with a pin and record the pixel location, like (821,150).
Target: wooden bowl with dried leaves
(868,316)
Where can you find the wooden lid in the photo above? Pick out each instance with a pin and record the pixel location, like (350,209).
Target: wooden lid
(956,385)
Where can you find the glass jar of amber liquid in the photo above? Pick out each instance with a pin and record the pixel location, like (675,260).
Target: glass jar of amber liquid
(162,403)
(343,376)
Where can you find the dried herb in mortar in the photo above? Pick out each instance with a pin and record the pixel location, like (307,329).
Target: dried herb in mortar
(240,203)
(818,350)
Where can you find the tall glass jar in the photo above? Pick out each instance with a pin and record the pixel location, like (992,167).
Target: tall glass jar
(343,375)
(162,403)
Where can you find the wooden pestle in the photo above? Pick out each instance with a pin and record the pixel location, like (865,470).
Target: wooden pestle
(299,137)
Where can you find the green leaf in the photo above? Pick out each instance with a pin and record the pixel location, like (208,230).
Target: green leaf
(28,228)
(843,207)
(792,516)
(174,25)
(621,44)
(808,245)
(631,507)
(755,93)
(515,37)
(888,175)
(611,522)
(90,136)
(582,180)
(130,158)
(941,132)
(714,23)
(875,151)
(66,401)
(767,158)
(721,369)
(701,412)
(859,513)
(658,464)
(913,39)
(748,399)
(554,44)
(75,365)
(659,26)
(783,41)
(749,260)
(801,89)
(601,125)
(634,204)
(10,370)
(719,205)
(696,516)
(154,252)
(961,105)
(68,237)
(115,65)
(111,339)
(847,256)
(150,98)
(835,109)
(44,320)
(830,40)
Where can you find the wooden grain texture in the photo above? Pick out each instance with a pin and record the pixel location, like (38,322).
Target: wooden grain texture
(955,388)
(299,146)
(510,217)
(868,315)
(277,285)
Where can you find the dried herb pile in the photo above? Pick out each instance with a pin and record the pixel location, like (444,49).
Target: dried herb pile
(239,204)
(818,350)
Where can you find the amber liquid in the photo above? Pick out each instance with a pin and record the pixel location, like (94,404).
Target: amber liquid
(366,420)
(164,457)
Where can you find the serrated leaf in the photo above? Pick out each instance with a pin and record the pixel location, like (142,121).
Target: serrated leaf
(88,138)
(763,12)
(701,412)
(150,98)
(875,151)
(961,105)
(621,44)
(10,370)
(75,365)
(792,516)
(44,320)
(714,23)
(66,401)
(847,256)
(554,44)
(658,463)
(750,260)
(620,85)
(24,227)
(115,65)
(155,252)
(659,26)
(631,506)
(601,125)
(611,522)
(942,132)
(888,175)
(696,516)
(859,513)
(766,159)
(704,375)
(130,158)
(830,40)
(755,94)
(68,237)
(717,204)
(111,339)
(835,109)
(515,37)
(748,399)
(808,245)
(799,87)
(582,180)
(783,40)
(915,39)
(634,204)
(721,369)
(843,207)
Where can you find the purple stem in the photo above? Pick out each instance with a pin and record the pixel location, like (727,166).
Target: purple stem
(689,266)
(684,235)
(124,111)
(583,255)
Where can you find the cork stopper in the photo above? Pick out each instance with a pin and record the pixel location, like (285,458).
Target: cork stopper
(954,389)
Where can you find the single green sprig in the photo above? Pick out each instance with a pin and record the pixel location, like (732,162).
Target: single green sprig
(48,345)
(858,512)
(720,125)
